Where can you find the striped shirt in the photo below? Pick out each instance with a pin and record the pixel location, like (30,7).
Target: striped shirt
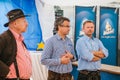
(23,60)
(84,48)
(54,48)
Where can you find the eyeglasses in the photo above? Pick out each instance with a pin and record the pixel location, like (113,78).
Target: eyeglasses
(65,26)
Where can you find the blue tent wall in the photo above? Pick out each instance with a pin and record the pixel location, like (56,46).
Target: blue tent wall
(5,6)
(33,35)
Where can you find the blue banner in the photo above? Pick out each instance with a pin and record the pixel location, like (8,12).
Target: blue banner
(108,33)
(33,35)
(82,14)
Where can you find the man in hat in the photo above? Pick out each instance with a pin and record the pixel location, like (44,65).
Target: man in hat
(15,61)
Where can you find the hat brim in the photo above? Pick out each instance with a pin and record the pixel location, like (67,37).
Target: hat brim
(6,24)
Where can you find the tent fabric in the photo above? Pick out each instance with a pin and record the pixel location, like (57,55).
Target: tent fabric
(76,2)
(33,35)
(46,18)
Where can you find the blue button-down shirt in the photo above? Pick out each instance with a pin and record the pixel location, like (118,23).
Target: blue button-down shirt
(54,48)
(84,48)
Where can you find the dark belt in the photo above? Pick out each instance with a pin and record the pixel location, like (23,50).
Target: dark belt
(89,72)
(58,73)
(16,79)
(59,76)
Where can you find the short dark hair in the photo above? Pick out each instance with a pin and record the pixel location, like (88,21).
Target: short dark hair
(87,21)
(59,21)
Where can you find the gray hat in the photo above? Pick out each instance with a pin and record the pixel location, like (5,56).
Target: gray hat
(13,15)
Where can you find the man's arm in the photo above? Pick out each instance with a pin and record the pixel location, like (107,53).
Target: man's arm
(99,54)
(95,58)
(4,69)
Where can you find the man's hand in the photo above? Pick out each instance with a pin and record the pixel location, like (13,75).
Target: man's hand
(95,59)
(65,60)
(99,53)
(69,55)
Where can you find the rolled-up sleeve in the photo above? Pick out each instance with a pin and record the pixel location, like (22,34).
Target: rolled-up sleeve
(105,51)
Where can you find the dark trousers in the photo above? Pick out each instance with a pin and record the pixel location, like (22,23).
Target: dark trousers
(89,75)
(3,78)
(16,79)
(58,76)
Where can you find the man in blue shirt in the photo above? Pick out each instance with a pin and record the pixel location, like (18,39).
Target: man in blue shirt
(58,52)
(90,51)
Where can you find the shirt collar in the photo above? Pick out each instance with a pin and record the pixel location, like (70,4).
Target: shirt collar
(17,36)
(88,38)
(59,38)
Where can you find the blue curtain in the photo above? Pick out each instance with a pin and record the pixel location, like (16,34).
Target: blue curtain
(33,35)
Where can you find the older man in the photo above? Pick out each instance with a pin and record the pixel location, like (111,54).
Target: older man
(15,61)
